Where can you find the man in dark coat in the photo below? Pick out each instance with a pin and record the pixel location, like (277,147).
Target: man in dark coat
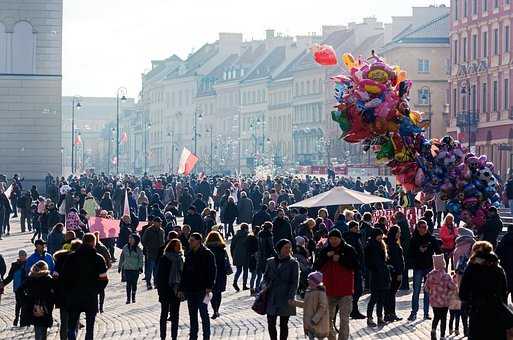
(152,239)
(198,278)
(194,220)
(261,216)
(245,208)
(239,252)
(199,203)
(205,190)
(281,227)
(492,227)
(84,274)
(353,238)
(505,253)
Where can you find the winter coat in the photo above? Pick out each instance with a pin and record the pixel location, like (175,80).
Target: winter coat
(505,253)
(222,263)
(124,233)
(16,274)
(199,271)
(260,218)
(130,259)
(448,236)
(252,247)
(35,257)
(355,241)
(439,285)
(196,223)
(281,278)
(152,239)
(454,297)
(38,289)
(265,249)
(316,319)
(491,229)
(375,260)
(90,206)
(463,248)
(405,234)
(282,230)
(423,259)
(104,252)
(170,270)
(49,219)
(245,208)
(239,248)
(229,213)
(106,204)
(338,276)
(483,288)
(55,241)
(396,258)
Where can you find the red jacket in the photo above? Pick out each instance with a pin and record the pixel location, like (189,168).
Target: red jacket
(448,237)
(338,277)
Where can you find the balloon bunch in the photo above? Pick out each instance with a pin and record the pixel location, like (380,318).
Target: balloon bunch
(373,109)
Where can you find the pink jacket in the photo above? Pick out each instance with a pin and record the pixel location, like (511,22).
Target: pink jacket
(439,285)
(454,298)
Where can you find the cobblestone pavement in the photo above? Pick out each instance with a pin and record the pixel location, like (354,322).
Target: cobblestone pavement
(141,320)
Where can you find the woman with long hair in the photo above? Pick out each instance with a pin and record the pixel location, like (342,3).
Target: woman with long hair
(131,265)
(448,235)
(142,203)
(169,276)
(396,263)
(216,244)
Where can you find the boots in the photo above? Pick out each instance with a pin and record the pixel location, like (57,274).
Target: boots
(133,297)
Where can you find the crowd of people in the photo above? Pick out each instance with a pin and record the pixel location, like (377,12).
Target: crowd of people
(322,260)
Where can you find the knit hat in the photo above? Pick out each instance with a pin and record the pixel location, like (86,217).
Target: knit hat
(438,261)
(300,241)
(315,277)
(22,252)
(335,233)
(281,243)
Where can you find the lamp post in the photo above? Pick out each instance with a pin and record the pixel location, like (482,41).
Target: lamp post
(120,93)
(210,129)
(83,147)
(75,103)
(197,115)
(147,128)
(467,119)
(111,139)
(426,96)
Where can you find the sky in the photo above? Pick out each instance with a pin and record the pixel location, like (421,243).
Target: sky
(110,43)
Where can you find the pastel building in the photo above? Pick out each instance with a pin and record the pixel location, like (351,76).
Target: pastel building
(481,112)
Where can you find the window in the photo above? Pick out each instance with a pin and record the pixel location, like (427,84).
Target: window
(506,39)
(496,3)
(496,41)
(474,99)
(485,44)
(495,95)
(464,8)
(3,49)
(456,9)
(474,46)
(485,5)
(474,7)
(506,94)
(423,96)
(308,87)
(455,51)
(423,66)
(23,48)
(485,98)
(465,49)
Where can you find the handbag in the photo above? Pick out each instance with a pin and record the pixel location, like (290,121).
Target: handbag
(260,304)
(39,310)
(228,266)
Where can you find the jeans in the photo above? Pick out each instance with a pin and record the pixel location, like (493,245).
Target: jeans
(216,300)
(241,270)
(149,270)
(74,316)
(440,316)
(419,276)
(41,332)
(63,330)
(284,327)
(228,230)
(377,299)
(259,279)
(345,305)
(25,219)
(195,304)
(17,307)
(171,308)
(253,279)
(131,277)
(358,289)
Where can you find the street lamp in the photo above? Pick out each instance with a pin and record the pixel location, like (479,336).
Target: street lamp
(197,115)
(467,119)
(211,149)
(426,97)
(75,103)
(111,139)
(146,133)
(120,95)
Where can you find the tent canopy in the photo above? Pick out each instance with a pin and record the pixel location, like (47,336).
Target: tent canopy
(339,196)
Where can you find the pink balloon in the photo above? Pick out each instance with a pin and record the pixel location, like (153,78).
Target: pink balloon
(324,55)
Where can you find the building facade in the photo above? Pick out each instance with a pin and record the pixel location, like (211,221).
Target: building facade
(481,112)
(30,88)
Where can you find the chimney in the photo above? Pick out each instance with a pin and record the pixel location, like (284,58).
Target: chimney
(269,34)
(230,42)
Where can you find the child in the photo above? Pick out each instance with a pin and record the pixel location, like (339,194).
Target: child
(439,285)
(455,309)
(315,315)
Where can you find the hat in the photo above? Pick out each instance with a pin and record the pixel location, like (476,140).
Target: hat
(39,242)
(335,233)
(22,252)
(300,241)
(315,277)
(281,243)
(462,231)
(438,261)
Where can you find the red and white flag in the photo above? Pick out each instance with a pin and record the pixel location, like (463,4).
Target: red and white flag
(126,208)
(124,138)
(187,162)
(8,191)
(78,140)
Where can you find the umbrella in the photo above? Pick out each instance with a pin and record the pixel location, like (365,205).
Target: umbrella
(339,196)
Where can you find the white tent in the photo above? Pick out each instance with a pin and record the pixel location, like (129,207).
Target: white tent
(339,196)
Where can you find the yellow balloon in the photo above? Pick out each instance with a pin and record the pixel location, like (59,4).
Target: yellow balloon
(401,76)
(348,60)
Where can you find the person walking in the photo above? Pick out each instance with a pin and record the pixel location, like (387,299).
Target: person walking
(131,265)
(404,226)
(84,274)
(396,264)
(439,285)
(338,262)
(240,255)
(455,308)
(353,238)
(245,209)
(229,213)
(40,255)
(261,216)
(17,275)
(55,239)
(169,277)
(199,273)
(38,295)
(448,235)
(265,250)
(252,247)
(217,246)
(376,257)
(423,246)
(195,221)
(281,227)
(152,239)
(90,204)
(509,192)
(281,280)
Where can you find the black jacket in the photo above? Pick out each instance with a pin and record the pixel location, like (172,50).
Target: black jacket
(199,271)
(375,261)
(396,258)
(491,229)
(282,230)
(265,249)
(196,223)
(354,240)
(261,217)
(37,289)
(505,252)
(348,257)
(423,259)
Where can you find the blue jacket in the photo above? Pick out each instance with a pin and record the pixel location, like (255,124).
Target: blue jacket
(16,274)
(37,257)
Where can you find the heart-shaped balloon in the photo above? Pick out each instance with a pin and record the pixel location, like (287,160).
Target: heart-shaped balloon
(324,54)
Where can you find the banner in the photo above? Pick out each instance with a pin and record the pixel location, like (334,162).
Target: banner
(187,162)
(108,228)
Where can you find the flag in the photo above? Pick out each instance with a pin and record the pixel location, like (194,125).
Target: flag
(78,140)
(8,191)
(187,162)
(126,208)
(124,138)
